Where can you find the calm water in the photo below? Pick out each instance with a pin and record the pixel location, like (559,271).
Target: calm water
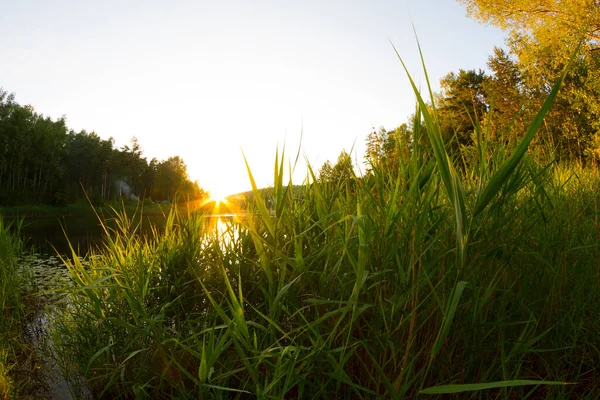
(48,275)
(49,235)
(52,234)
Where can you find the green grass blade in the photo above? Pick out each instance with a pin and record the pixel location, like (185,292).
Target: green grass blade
(472,387)
(451,179)
(431,96)
(260,201)
(448,317)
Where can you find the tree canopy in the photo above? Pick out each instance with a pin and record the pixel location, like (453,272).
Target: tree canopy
(543,35)
(42,161)
(547,22)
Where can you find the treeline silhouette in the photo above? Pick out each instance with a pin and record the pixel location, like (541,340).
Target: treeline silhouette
(42,161)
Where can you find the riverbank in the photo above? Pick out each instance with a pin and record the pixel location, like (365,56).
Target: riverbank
(82,208)
(13,311)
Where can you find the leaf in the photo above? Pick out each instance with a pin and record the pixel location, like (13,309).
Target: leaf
(260,201)
(472,387)
(452,182)
(448,317)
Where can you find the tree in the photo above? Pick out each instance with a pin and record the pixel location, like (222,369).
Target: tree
(385,149)
(343,170)
(326,171)
(547,22)
(506,97)
(374,144)
(463,103)
(543,35)
(171,176)
(340,175)
(42,161)
(133,165)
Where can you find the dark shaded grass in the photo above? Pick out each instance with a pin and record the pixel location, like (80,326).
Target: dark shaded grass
(12,309)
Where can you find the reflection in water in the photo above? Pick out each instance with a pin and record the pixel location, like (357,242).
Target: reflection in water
(49,275)
(223,227)
(52,234)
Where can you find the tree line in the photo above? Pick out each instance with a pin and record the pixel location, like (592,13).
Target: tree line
(43,161)
(542,38)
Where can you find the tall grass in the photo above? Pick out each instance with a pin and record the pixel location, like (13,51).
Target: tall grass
(11,308)
(425,278)
(350,290)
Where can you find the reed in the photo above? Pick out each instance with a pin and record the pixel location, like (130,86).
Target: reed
(423,279)
(11,308)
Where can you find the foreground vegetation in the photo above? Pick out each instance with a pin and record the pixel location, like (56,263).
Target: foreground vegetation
(422,278)
(349,292)
(464,263)
(12,309)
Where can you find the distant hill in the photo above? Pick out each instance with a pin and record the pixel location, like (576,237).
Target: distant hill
(240,200)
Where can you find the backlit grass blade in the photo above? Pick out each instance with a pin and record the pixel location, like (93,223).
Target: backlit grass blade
(472,387)
(260,249)
(279,192)
(452,182)
(260,201)
(431,96)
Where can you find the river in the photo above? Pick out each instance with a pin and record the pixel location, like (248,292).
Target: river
(49,237)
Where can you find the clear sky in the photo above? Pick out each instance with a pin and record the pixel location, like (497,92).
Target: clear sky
(207,79)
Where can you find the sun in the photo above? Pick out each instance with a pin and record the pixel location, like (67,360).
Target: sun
(217,200)
(218,196)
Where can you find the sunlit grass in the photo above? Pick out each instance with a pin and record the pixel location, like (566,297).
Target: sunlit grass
(426,278)
(348,293)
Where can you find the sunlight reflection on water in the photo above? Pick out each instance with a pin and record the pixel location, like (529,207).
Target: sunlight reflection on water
(225,227)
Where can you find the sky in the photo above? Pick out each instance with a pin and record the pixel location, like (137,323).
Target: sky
(212,81)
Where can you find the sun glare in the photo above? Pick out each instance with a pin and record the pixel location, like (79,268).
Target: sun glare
(217,196)
(217,200)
